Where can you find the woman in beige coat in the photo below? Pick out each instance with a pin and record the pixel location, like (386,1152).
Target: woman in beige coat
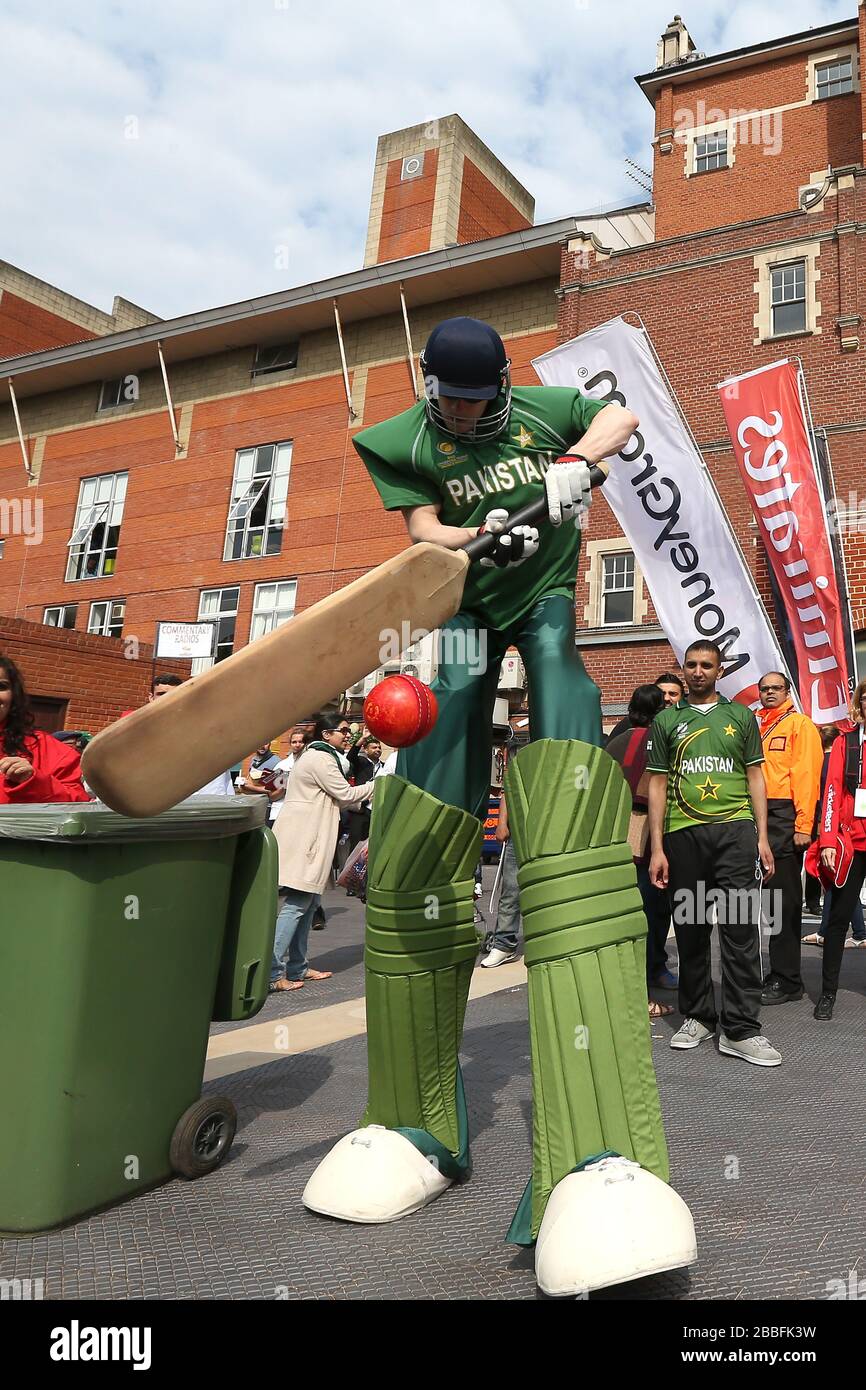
(306,833)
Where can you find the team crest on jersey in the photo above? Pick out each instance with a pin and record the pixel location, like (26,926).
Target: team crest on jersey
(524,438)
(449,453)
(682,729)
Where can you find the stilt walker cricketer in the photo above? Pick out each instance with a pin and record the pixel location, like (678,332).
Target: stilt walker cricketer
(597,1205)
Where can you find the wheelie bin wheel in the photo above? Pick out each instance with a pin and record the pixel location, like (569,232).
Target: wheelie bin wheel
(203,1136)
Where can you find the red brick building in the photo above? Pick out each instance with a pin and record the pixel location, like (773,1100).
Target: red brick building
(758,165)
(203,466)
(35,315)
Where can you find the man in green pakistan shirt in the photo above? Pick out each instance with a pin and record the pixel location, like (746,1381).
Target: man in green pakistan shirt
(708,829)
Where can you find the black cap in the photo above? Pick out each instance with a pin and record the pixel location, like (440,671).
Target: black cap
(466,358)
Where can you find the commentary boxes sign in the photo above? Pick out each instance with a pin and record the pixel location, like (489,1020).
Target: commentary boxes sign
(186,640)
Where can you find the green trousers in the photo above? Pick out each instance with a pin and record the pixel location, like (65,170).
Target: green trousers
(593,1082)
(453,762)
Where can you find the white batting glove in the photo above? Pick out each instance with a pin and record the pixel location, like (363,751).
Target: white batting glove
(511,549)
(568,489)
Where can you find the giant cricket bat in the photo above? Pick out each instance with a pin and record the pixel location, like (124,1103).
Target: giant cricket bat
(165,751)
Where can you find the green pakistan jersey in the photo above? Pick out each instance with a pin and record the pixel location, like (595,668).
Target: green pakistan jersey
(413,464)
(705,757)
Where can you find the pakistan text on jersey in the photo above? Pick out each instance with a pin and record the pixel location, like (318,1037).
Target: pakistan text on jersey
(710,620)
(497,477)
(709,763)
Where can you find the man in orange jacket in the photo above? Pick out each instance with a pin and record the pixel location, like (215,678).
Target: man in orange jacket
(792,770)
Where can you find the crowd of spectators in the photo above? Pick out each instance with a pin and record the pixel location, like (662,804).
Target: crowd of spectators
(739,800)
(726,804)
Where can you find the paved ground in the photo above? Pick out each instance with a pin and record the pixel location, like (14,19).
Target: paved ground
(772,1164)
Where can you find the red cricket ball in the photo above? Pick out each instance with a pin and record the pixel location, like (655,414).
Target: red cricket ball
(400,710)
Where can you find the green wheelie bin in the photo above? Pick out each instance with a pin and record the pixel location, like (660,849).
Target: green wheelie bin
(120,941)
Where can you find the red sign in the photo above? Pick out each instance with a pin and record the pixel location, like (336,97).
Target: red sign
(765,420)
(491,848)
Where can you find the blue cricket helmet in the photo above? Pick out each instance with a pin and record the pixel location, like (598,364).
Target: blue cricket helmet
(466,358)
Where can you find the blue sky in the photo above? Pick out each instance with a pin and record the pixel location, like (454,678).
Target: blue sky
(186,153)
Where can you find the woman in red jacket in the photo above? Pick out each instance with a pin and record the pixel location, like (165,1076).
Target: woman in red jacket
(33,765)
(842,843)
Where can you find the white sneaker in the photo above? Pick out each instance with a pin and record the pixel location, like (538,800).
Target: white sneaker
(497,957)
(759,1051)
(691,1034)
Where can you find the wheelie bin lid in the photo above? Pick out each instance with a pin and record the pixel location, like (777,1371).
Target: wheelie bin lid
(198,818)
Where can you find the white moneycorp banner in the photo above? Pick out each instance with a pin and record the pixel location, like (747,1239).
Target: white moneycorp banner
(670,513)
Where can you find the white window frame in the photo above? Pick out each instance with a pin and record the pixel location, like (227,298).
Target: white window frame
(593,552)
(109,618)
(706,137)
(249,485)
(91,518)
(616,555)
(265,617)
(247,501)
(204,663)
(767,261)
(838,80)
(90,512)
(782,266)
(830,56)
(61,609)
(703,133)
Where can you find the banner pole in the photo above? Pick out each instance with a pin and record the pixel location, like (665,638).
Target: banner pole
(822,461)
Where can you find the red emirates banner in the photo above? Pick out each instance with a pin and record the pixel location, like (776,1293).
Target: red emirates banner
(765,419)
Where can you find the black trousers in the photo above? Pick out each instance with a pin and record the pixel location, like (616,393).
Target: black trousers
(717,865)
(657,910)
(812,895)
(843,903)
(359,827)
(786,900)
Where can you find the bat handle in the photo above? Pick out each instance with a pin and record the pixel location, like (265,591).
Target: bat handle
(529,515)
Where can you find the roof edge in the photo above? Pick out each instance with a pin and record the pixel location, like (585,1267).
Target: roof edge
(368,277)
(659,77)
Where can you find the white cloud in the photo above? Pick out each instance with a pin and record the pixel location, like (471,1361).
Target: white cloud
(257,124)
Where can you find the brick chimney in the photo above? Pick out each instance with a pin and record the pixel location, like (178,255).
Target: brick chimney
(436,185)
(675,44)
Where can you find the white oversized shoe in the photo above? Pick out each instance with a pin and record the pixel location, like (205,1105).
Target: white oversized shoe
(373,1175)
(611,1222)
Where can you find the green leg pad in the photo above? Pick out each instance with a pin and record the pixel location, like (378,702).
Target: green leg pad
(419,956)
(594,1087)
